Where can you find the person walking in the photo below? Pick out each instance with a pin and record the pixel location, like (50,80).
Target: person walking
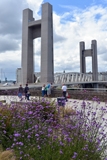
(48,89)
(43,90)
(52,89)
(27,93)
(20,92)
(64,91)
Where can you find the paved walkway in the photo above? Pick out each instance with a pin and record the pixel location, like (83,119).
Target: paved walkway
(71,102)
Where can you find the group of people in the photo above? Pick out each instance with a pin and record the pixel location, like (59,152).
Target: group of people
(47,90)
(24,91)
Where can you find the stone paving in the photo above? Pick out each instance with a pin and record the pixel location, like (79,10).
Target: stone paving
(70,103)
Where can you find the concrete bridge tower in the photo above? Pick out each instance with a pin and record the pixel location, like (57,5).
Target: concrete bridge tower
(89,52)
(32,29)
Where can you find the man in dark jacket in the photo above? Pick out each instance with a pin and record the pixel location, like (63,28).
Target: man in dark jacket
(26,90)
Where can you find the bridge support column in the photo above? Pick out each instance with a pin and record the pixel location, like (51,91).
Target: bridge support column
(82,58)
(33,29)
(94,60)
(91,53)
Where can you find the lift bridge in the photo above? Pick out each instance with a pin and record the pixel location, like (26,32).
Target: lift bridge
(79,78)
(85,79)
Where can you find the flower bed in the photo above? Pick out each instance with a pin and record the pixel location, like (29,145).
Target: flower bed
(42,130)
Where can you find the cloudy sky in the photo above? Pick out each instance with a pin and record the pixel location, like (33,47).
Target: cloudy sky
(73,21)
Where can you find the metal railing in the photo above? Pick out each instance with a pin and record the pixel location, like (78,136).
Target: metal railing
(76,77)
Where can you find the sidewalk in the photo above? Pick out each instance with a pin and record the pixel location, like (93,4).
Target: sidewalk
(70,103)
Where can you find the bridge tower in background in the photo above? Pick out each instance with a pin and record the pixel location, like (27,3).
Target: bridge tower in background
(92,53)
(32,29)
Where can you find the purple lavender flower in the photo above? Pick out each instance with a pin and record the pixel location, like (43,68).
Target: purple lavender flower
(37,135)
(60,152)
(75,155)
(17,135)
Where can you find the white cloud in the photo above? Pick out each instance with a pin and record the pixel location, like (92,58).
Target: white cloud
(9,61)
(35,6)
(84,25)
(70,28)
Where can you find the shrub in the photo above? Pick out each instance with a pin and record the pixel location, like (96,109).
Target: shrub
(39,130)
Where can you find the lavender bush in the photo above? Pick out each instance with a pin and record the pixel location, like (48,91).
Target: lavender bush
(40,130)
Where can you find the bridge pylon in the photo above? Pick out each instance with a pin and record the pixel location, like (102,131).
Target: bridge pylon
(89,53)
